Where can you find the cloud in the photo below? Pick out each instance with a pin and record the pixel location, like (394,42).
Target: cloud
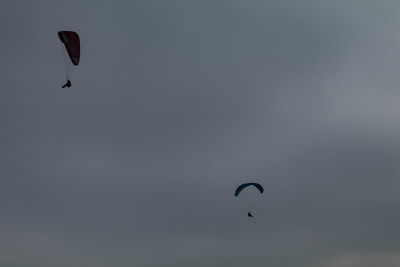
(176,103)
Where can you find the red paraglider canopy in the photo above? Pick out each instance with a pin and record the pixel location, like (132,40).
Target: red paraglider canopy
(72,44)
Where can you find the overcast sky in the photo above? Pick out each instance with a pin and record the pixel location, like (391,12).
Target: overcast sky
(173,105)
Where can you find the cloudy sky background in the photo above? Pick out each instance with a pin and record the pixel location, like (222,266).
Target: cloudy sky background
(174,104)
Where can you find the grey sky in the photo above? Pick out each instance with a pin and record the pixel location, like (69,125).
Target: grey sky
(177,102)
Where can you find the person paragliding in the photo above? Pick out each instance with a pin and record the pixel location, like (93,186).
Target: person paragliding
(243,186)
(67,84)
(71,42)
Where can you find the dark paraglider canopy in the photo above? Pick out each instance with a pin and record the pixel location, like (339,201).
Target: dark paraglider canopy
(71,41)
(243,186)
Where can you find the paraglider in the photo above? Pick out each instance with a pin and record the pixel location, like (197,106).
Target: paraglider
(71,42)
(243,186)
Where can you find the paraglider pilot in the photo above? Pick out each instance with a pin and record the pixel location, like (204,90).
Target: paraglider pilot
(68,84)
(249,214)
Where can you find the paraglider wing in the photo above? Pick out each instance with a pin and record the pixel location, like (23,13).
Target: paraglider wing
(242,186)
(72,44)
